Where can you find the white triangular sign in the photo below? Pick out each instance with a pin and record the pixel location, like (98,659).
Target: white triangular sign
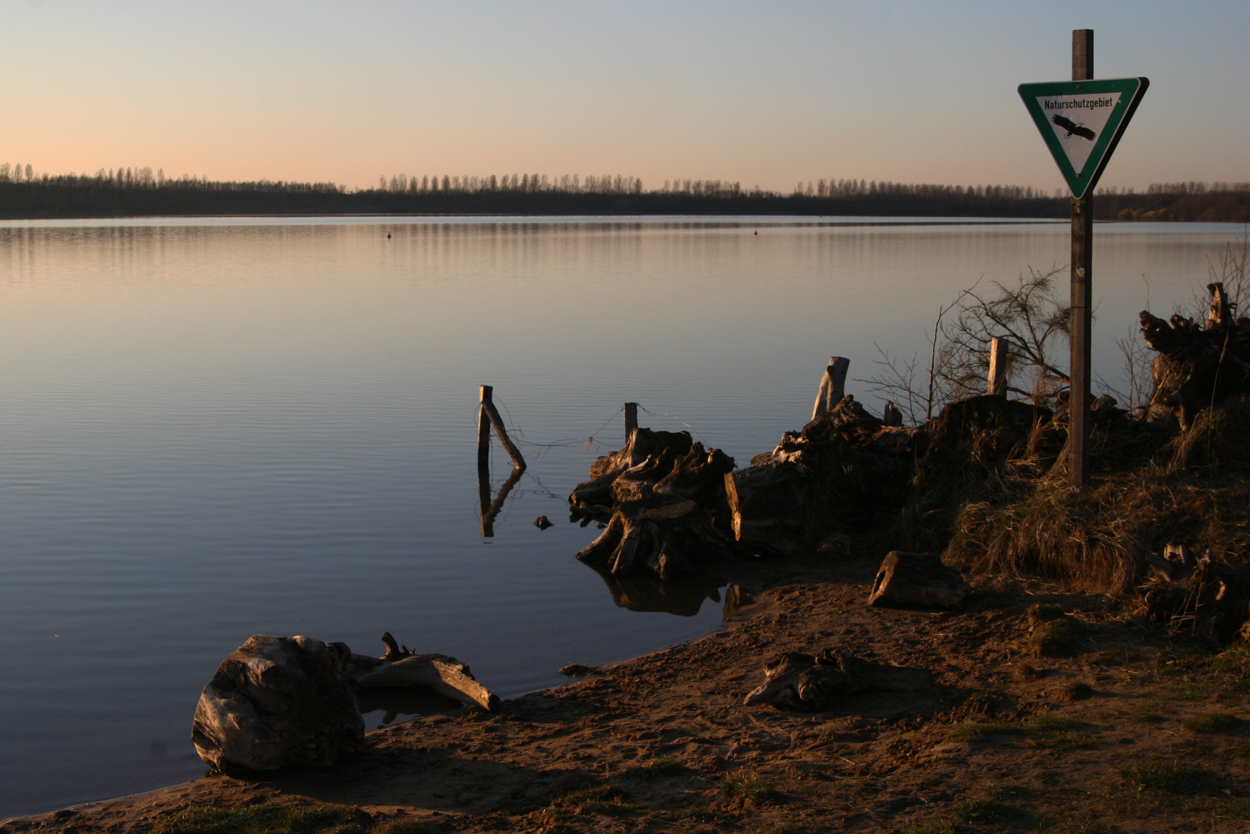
(1081,123)
(1078,121)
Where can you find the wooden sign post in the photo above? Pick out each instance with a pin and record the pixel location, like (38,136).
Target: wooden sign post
(1082,284)
(1081,122)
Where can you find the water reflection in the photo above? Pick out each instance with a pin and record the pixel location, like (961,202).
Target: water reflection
(405,701)
(647,594)
(490,508)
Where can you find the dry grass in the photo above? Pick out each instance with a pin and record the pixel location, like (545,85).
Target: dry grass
(1194,490)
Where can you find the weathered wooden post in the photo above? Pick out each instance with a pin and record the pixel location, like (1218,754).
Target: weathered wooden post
(487,416)
(1081,122)
(997,382)
(1082,291)
(832,386)
(631,420)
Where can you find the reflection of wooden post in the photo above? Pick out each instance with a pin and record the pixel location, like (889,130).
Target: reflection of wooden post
(1082,293)
(832,386)
(488,416)
(490,509)
(631,420)
(997,384)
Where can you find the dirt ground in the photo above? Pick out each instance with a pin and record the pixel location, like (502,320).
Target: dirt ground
(1090,722)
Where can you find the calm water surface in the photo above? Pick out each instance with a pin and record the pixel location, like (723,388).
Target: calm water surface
(216,428)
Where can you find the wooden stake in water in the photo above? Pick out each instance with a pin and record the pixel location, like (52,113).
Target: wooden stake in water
(1082,292)
(488,416)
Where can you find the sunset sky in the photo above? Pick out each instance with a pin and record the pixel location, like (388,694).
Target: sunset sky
(762,93)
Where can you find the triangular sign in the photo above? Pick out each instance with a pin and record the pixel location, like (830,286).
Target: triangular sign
(1082,122)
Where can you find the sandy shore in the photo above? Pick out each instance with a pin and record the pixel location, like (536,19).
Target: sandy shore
(664,742)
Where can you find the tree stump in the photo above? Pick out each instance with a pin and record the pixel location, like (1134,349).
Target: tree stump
(1199,367)
(917,579)
(652,462)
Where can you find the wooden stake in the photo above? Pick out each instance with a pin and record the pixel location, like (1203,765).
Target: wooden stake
(1082,292)
(997,383)
(832,386)
(488,412)
(631,420)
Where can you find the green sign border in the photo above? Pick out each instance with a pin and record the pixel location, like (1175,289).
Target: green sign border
(1131,91)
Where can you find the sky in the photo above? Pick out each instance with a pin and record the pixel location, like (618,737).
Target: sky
(765,94)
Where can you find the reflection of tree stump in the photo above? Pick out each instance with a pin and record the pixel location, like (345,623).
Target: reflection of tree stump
(644,592)
(661,534)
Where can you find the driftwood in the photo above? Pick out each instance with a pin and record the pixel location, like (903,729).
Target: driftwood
(1198,367)
(818,682)
(661,535)
(439,673)
(1198,594)
(917,579)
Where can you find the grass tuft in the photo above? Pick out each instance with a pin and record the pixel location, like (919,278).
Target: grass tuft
(606,800)
(1213,723)
(1168,777)
(746,792)
(983,730)
(267,818)
(661,768)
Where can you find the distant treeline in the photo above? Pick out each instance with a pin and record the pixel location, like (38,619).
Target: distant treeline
(1219,202)
(137,192)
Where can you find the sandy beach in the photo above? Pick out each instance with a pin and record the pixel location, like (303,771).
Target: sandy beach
(1007,737)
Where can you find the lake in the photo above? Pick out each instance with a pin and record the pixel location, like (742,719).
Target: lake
(213,428)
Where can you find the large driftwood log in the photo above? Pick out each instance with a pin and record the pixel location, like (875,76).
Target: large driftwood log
(661,535)
(917,579)
(807,682)
(840,472)
(769,505)
(437,672)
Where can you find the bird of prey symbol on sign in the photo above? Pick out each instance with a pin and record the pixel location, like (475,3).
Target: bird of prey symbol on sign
(1073,127)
